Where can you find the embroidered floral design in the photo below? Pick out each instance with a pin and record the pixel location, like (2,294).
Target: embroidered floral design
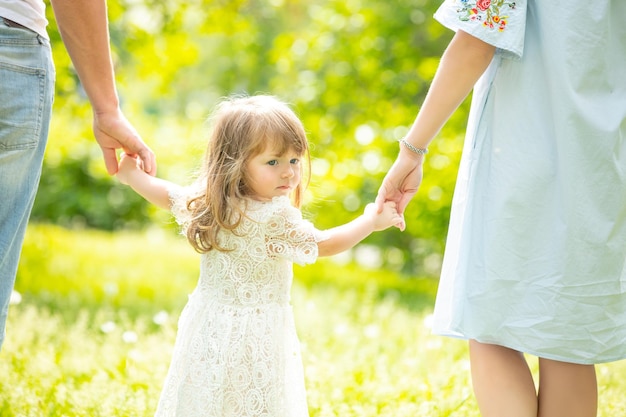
(489,12)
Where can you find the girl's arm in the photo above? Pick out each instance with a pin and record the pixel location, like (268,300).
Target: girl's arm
(155,190)
(348,235)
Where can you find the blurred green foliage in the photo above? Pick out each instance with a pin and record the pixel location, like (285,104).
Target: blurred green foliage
(125,276)
(355,71)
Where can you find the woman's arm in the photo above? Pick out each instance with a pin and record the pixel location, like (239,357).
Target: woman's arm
(465,59)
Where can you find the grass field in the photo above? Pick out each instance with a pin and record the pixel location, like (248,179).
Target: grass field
(93,332)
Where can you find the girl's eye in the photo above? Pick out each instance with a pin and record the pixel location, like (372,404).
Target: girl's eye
(272,162)
(294,161)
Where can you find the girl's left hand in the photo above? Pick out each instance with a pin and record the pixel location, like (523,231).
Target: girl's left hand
(388,217)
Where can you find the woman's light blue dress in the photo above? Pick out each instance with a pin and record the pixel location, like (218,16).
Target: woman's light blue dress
(536,252)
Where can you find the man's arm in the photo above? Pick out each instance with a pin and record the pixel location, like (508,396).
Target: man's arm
(85,32)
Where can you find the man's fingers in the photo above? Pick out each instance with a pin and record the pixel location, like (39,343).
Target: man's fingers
(135,146)
(110,160)
(149,161)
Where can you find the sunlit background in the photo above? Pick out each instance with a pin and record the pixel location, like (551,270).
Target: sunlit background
(355,72)
(104,275)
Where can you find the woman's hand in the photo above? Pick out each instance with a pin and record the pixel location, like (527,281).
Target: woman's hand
(401,183)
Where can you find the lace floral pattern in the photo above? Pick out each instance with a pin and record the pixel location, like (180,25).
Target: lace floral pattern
(490,12)
(237,352)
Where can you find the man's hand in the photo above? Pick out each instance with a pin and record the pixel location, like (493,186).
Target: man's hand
(113,131)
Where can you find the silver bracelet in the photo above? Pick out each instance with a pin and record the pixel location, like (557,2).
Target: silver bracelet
(419,151)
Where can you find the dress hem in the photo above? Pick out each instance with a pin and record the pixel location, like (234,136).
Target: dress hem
(578,361)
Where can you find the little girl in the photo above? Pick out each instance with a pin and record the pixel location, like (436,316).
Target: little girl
(237,353)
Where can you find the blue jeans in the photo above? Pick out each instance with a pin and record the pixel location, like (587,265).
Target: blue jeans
(27,79)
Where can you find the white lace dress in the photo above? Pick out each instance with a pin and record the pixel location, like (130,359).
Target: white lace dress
(237,353)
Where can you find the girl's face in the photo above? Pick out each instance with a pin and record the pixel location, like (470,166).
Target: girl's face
(272,175)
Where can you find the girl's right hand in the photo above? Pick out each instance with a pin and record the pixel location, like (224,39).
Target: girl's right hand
(127,165)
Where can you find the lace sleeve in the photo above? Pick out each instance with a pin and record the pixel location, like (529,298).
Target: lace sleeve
(178,198)
(289,236)
(500,23)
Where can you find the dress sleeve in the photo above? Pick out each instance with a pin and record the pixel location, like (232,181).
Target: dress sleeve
(498,22)
(291,237)
(178,199)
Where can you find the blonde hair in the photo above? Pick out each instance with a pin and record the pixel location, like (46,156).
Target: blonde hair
(242,127)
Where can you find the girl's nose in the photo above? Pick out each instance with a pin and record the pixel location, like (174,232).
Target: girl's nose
(287,173)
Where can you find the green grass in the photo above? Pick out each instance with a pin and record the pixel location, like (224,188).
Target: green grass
(93,333)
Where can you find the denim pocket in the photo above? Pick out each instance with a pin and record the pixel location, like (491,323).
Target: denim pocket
(22,105)
(26,88)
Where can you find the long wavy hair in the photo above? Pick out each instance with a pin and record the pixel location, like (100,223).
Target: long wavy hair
(242,127)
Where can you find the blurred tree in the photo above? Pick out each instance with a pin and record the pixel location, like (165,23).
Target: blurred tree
(354,70)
